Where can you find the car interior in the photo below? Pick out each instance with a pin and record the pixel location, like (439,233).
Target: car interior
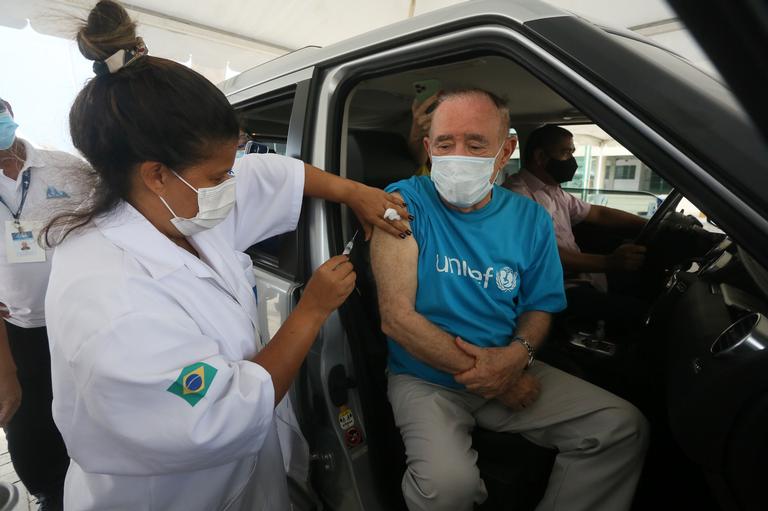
(704,302)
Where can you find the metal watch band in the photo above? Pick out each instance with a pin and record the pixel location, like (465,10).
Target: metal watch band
(531,351)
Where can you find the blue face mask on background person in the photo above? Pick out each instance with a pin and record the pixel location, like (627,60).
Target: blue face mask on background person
(463,181)
(7,130)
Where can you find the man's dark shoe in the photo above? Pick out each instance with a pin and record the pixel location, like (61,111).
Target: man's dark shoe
(49,502)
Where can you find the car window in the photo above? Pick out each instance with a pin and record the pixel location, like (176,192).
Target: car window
(265,124)
(379,118)
(609,175)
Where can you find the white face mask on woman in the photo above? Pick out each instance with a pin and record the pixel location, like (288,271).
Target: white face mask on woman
(463,181)
(214,204)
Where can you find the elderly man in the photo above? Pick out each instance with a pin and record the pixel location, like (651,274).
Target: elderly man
(465,303)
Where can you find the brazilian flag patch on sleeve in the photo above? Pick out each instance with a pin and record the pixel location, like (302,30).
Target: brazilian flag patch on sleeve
(193,382)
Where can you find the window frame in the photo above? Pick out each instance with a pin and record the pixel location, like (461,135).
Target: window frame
(291,260)
(634,129)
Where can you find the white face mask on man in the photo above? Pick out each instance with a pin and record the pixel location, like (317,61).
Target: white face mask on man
(214,204)
(463,181)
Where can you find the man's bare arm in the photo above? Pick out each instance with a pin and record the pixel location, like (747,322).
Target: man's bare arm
(533,326)
(615,219)
(580,262)
(394,262)
(627,257)
(497,370)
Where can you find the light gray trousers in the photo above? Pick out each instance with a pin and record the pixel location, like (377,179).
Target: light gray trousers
(600,437)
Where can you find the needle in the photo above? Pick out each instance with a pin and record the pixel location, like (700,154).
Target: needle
(350,244)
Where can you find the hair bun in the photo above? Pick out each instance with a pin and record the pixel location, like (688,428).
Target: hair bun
(109,28)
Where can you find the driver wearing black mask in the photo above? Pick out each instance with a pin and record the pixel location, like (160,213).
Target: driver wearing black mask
(548,162)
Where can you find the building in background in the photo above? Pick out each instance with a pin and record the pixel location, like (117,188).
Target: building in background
(604,164)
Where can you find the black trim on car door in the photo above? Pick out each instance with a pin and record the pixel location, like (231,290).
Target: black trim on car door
(735,37)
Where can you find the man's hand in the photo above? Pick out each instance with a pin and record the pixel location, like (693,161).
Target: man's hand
(495,370)
(676,219)
(10,396)
(422,120)
(628,257)
(10,390)
(522,393)
(420,123)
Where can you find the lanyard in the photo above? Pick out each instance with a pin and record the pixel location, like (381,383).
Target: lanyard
(26,177)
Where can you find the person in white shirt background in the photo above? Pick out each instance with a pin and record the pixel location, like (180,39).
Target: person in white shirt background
(164,390)
(34,185)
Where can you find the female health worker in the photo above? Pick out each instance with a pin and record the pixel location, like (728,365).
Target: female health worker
(163,391)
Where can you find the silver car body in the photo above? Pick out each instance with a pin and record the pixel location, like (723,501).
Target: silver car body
(319,77)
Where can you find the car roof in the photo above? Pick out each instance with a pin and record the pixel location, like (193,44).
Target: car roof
(514,12)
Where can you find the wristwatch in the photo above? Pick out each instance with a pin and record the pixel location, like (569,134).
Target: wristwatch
(531,351)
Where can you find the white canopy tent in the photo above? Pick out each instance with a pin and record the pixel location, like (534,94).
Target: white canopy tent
(42,69)
(243,33)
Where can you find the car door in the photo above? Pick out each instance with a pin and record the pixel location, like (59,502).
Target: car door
(273,115)
(610,77)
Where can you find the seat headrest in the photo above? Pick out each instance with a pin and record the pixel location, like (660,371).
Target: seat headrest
(378,158)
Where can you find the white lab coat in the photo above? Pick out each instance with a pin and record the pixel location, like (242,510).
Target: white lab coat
(127,310)
(54,187)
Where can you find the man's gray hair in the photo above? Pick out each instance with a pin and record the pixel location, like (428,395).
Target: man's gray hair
(498,102)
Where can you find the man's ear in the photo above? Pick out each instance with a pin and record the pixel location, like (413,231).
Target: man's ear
(155,176)
(512,145)
(509,147)
(427,148)
(539,157)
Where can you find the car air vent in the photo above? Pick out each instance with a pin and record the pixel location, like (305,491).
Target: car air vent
(750,333)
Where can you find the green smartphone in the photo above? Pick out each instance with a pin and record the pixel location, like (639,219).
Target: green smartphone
(426,88)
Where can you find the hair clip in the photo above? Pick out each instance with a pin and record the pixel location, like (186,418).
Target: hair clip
(120,59)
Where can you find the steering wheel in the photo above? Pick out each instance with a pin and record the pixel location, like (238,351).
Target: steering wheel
(651,229)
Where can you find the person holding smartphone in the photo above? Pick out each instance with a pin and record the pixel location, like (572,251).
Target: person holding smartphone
(424,102)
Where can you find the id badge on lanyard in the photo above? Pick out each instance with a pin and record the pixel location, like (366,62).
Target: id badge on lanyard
(21,245)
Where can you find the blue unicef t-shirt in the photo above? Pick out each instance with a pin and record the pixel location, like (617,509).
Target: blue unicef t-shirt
(479,271)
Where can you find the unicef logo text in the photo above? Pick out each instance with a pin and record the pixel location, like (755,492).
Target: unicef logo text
(506,279)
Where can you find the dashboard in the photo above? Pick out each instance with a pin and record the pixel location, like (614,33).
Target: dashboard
(712,319)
